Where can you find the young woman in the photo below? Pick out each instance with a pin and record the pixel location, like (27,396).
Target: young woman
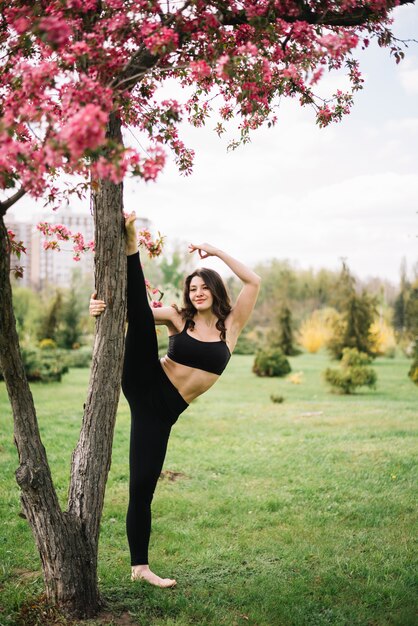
(202,336)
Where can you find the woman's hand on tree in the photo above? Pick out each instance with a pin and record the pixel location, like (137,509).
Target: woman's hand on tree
(204,250)
(96,307)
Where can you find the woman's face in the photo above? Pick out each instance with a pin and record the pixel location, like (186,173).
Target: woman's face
(200,295)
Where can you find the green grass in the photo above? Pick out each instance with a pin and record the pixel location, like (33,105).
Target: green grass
(301,513)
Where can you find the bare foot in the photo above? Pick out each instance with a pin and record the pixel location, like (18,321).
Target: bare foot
(143,572)
(131,238)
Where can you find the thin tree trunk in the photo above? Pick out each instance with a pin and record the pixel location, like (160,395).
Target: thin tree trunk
(68,541)
(92,456)
(67,554)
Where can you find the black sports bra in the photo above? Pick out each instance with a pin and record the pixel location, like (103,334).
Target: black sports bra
(210,356)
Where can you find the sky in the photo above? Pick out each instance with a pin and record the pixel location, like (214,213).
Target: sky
(298,192)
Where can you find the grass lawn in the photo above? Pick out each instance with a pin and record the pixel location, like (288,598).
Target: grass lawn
(301,513)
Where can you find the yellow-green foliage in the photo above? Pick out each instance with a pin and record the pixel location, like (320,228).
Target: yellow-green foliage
(413,374)
(271,362)
(296,378)
(353,372)
(382,338)
(413,371)
(315,331)
(47,344)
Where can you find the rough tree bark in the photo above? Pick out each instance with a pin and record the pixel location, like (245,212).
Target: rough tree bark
(68,540)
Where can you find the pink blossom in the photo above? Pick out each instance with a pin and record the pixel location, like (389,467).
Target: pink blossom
(291,72)
(220,66)
(63,73)
(56,28)
(64,234)
(85,130)
(199,70)
(152,167)
(162,40)
(21,24)
(324,115)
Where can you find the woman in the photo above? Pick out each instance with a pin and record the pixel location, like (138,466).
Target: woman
(202,336)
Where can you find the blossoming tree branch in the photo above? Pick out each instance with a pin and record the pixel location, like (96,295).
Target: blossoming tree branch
(74,74)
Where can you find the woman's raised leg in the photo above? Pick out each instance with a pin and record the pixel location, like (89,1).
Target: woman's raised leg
(149,431)
(141,346)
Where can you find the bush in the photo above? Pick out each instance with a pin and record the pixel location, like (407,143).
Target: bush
(44,365)
(315,331)
(245,345)
(47,344)
(413,370)
(382,339)
(353,358)
(349,379)
(353,373)
(81,357)
(271,362)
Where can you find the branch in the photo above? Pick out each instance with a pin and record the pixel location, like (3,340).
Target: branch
(142,60)
(328,18)
(135,69)
(11,201)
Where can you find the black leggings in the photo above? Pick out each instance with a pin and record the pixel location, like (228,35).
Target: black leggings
(155,406)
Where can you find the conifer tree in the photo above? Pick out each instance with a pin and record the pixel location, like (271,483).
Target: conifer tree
(352,330)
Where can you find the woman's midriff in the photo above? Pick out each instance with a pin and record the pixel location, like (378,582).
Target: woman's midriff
(189,381)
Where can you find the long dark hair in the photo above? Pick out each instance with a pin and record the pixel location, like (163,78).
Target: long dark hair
(221,306)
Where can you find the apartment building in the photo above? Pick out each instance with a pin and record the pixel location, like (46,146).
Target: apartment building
(49,267)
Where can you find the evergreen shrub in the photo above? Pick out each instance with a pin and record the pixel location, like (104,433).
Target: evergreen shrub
(44,365)
(281,336)
(271,362)
(413,370)
(353,372)
(353,358)
(358,312)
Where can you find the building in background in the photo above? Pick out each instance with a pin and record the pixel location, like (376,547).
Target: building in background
(49,267)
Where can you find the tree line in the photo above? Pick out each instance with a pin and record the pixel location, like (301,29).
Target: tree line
(293,302)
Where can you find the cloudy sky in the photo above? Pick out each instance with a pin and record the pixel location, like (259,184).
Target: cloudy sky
(302,193)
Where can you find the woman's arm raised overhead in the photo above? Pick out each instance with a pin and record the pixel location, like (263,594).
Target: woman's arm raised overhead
(246,300)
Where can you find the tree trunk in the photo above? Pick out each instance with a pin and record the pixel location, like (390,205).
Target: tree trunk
(68,541)
(67,554)
(92,456)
